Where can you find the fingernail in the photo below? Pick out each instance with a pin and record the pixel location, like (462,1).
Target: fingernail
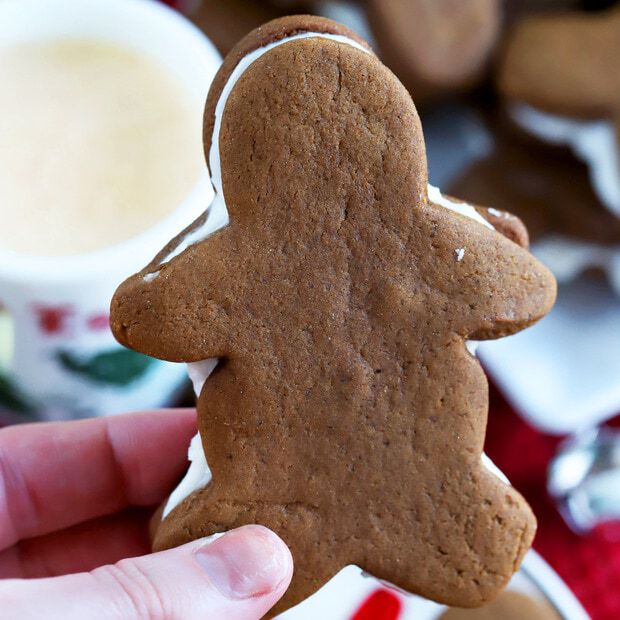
(251,561)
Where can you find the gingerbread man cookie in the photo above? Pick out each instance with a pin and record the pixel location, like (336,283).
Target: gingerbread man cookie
(329,294)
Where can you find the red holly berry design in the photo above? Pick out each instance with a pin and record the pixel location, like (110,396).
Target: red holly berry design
(380,605)
(53,319)
(99,322)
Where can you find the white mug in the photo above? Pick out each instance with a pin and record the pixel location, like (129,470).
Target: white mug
(63,360)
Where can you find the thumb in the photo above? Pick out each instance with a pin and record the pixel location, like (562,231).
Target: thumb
(239,575)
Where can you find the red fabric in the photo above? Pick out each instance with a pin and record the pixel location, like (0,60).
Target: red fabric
(590,564)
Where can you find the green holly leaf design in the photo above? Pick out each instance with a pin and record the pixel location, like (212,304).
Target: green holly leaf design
(12,399)
(116,367)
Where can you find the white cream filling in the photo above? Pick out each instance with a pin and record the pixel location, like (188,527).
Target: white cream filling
(462,208)
(568,258)
(494,469)
(199,372)
(435,196)
(496,213)
(594,142)
(198,474)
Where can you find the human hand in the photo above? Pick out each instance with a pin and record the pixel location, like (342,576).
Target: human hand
(75,499)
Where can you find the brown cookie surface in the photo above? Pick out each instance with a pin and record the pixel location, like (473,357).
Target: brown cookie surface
(507,606)
(346,413)
(435,46)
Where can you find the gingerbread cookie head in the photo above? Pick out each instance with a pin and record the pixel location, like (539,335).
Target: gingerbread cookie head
(345,411)
(561,76)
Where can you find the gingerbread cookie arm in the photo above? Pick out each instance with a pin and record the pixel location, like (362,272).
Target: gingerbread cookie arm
(565,64)
(181,302)
(512,289)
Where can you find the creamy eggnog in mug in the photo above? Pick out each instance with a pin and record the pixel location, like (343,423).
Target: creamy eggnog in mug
(101,163)
(98,142)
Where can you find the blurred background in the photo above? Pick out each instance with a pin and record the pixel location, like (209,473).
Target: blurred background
(101,163)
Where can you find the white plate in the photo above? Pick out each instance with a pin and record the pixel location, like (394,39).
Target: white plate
(563,373)
(342,596)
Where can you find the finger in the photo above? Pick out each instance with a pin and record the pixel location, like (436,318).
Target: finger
(83,547)
(238,576)
(55,475)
